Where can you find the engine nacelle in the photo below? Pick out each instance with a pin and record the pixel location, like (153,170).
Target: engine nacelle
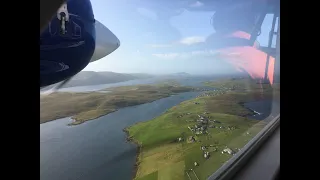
(68,43)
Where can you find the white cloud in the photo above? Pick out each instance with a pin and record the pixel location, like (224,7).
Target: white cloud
(184,41)
(192,40)
(159,45)
(196,4)
(204,53)
(167,55)
(147,13)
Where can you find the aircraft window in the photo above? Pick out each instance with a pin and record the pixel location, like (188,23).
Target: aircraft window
(183,94)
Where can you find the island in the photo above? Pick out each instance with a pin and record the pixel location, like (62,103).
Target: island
(195,138)
(91,105)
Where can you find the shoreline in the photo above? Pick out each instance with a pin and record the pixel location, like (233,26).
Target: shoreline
(75,122)
(252,112)
(139,148)
(71,124)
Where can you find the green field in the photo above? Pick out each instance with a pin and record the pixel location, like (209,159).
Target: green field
(87,106)
(163,157)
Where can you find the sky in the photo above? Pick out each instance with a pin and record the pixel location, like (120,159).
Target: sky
(150,44)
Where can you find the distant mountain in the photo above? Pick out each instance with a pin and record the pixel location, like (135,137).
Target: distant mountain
(179,74)
(86,78)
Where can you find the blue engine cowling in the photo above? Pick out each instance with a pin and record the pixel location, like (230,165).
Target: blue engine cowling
(68,43)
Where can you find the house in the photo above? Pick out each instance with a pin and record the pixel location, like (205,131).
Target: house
(205,122)
(191,139)
(206,155)
(227,150)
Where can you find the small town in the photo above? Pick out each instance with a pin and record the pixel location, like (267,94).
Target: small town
(203,122)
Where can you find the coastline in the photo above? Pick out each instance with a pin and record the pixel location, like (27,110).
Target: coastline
(75,122)
(139,148)
(252,112)
(73,118)
(78,122)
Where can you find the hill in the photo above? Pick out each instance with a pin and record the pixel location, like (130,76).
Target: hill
(176,75)
(87,106)
(86,78)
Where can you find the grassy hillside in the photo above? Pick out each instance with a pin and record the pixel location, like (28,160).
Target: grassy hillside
(169,144)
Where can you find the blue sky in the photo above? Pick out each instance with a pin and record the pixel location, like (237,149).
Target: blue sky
(152,45)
